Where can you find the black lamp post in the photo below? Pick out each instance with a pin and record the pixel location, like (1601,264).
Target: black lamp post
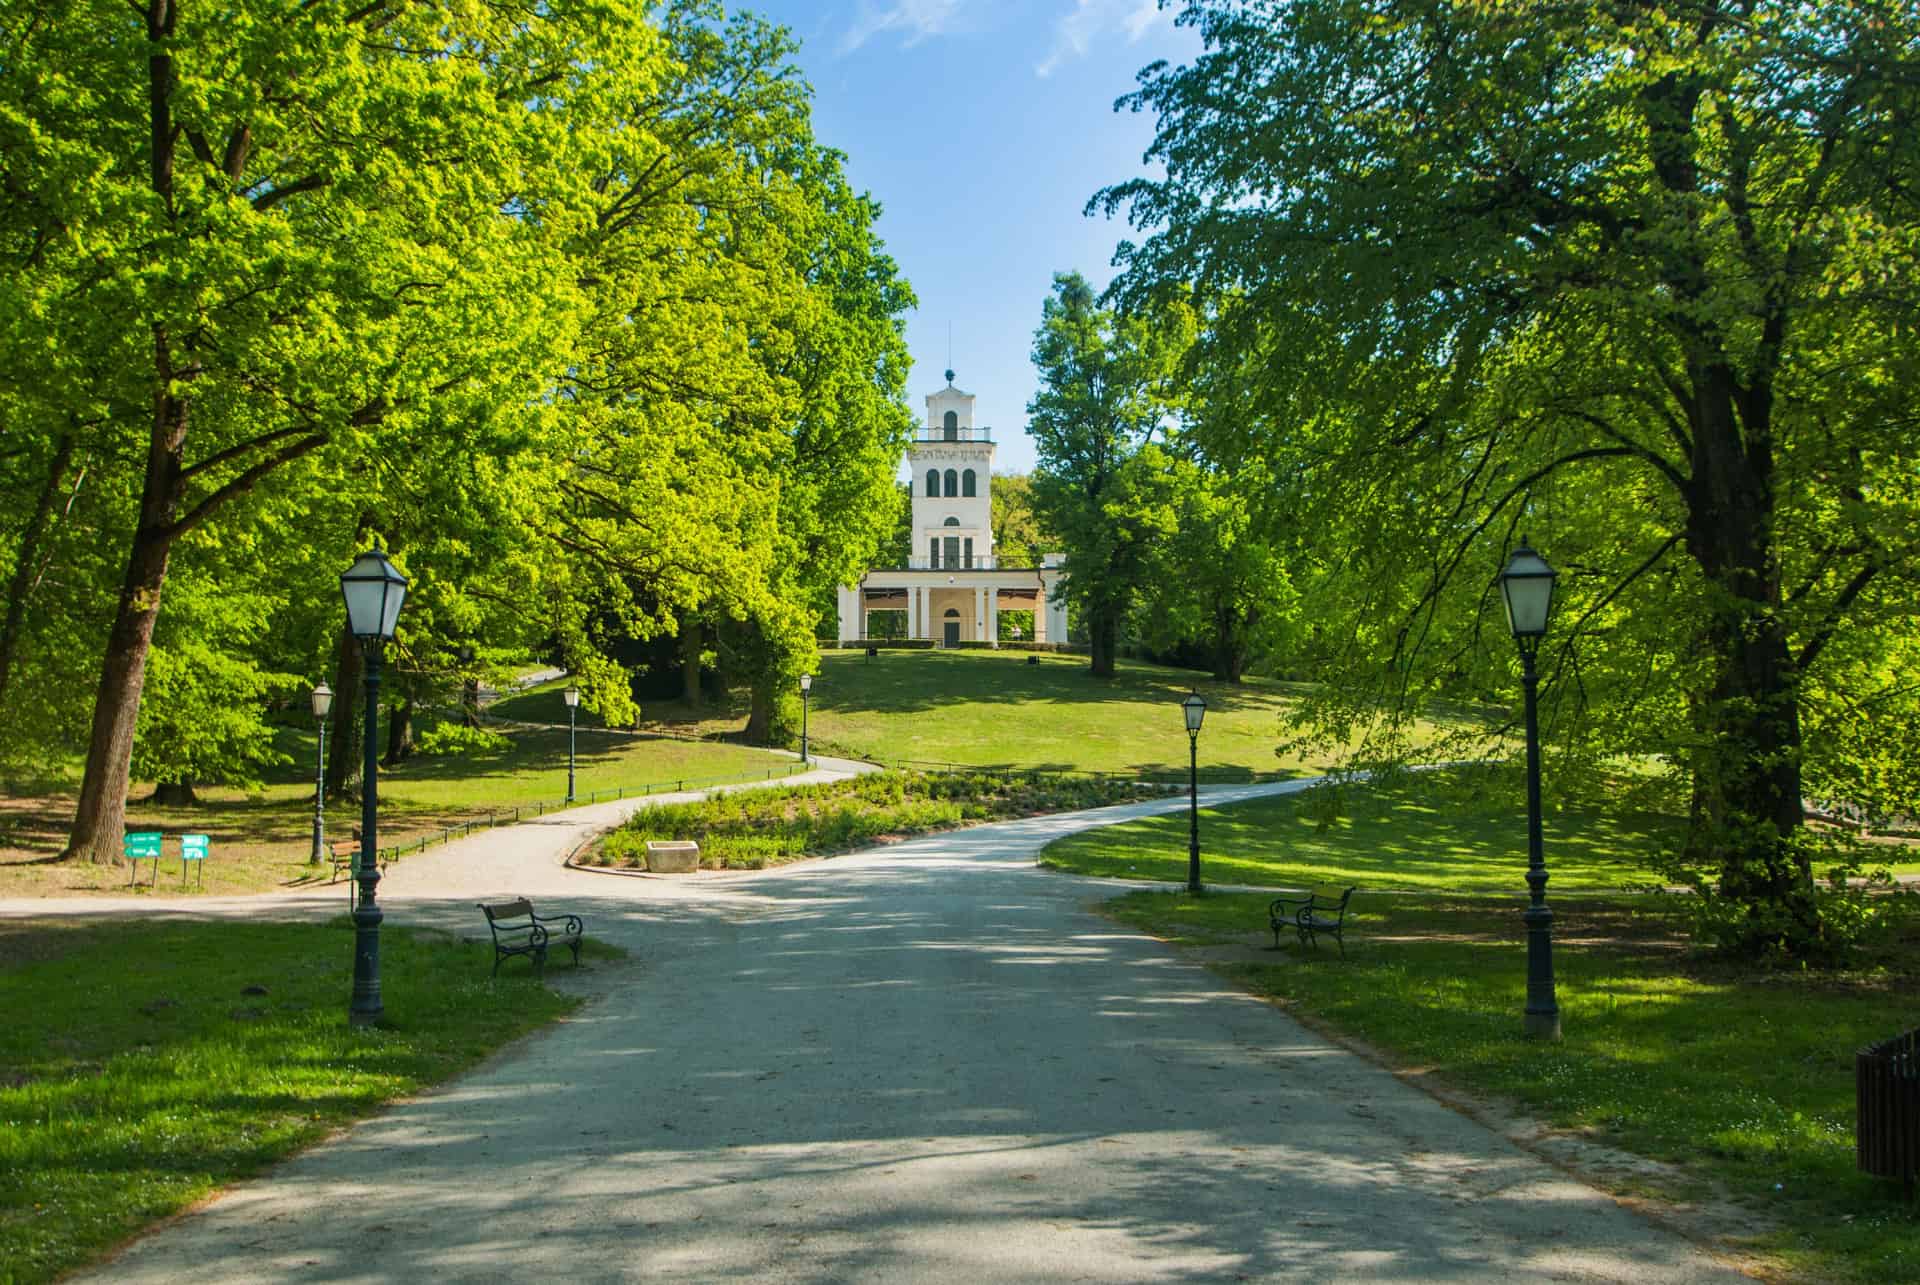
(1526,586)
(322,703)
(1195,710)
(572,697)
(374,591)
(806,686)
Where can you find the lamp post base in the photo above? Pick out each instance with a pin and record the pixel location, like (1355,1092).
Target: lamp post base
(1542,1026)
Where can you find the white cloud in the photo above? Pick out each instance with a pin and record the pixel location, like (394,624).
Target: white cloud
(915,20)
(1075,32)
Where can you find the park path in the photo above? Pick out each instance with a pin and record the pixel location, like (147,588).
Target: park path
(928,1062)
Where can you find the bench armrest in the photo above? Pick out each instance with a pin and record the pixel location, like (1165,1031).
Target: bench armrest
(1277,912)
(570,924)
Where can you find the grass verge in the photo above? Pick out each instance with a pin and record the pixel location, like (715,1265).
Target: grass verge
(262,838)
(750,829)
(127,1094)
(1740,1077)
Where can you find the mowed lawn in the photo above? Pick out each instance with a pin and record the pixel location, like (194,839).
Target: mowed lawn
(993,709)
(127,1094)
(1418,834)
(1737,1075)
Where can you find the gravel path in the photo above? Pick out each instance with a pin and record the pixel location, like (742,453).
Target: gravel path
(929,1062)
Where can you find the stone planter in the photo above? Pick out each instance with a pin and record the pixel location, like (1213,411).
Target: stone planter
(679,857)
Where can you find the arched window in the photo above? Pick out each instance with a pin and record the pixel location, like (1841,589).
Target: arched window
(952,424)
(953,613)
(953,483)
(966,484)
(951,522)
(933,484)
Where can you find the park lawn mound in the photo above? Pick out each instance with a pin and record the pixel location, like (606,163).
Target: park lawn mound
(984,708)
(749,829)
(145,1065)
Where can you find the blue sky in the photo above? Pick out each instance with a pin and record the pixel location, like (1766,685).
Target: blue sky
(982,127)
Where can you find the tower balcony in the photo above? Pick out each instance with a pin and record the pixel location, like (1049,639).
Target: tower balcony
(926,435)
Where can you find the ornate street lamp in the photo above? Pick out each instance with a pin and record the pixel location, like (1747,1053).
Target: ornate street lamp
(374,591)
(1526,587)
(1195,710)
(806,685)
(322,703)
(572,697)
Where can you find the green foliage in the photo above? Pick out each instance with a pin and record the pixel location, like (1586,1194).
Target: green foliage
(460,739)
(128,1094)
(202,720)
(1106,384)
(753,828)
(1632,281)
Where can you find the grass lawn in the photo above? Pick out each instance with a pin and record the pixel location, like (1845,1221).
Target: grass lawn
(992,709)
(1739,1074)
(1418,835)
(261,839)
(127,1094)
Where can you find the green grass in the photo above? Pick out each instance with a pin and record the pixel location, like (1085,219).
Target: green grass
(1450,835)
(750,829)
(1738,1074)
(992,709)
(129,1093)
(261,838)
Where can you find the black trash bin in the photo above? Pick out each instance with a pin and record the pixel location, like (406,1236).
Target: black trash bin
(1887,1109)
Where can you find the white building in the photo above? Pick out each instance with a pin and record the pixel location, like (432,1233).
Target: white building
(953,588)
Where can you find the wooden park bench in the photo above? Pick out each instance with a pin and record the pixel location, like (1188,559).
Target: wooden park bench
(1310,917)
(341,854)
(518,931)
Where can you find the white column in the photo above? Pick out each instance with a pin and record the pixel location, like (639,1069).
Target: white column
(1040,615)
(993,617)
(979,613)
(913,612)
(925,593)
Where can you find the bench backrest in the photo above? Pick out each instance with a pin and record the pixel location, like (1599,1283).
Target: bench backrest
(141,844)
(521,909)
(193,847)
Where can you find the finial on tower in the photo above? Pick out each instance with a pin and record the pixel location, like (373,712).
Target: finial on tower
(949,376)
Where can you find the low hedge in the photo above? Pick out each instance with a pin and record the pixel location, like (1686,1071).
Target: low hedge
(750,829)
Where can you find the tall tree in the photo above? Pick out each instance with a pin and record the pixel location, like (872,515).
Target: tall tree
(248,238)
(1104,391)
(1637,279)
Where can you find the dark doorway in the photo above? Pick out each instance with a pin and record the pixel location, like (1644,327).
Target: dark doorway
(953,633)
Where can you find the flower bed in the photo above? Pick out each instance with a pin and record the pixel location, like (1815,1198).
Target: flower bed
(750,829)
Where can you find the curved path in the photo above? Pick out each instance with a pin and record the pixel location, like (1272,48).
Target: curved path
(926,1062)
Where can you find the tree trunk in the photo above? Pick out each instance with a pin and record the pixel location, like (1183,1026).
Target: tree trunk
(21,585)
(175,794)
(1747,766)
(343,737)
(1230,630)
(1103,636)
(690,640)
(399,734)
(99,821)
(759,714)
(470,702)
